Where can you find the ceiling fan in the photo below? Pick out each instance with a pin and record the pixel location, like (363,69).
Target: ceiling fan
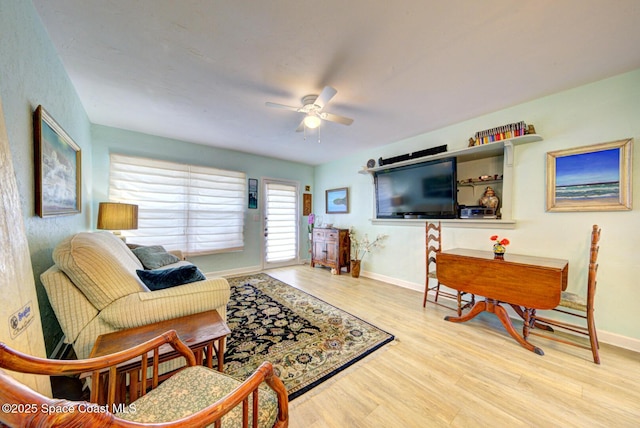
(312,107)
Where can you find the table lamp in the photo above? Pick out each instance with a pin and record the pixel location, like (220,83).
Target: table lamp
(116,217)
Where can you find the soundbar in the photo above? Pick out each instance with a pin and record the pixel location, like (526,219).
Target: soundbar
(414,155)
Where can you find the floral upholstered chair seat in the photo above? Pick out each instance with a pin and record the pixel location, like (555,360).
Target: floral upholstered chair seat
(192,390)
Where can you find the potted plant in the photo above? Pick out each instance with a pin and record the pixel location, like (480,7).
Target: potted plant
(360,248)
(499,248)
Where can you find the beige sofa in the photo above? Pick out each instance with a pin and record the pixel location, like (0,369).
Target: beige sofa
(94,289)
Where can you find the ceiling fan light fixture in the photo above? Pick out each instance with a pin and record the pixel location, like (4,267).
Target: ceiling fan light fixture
(311,121)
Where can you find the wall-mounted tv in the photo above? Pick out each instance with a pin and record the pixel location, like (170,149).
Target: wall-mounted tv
(422,190)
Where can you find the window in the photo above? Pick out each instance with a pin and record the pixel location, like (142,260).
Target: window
(198,210)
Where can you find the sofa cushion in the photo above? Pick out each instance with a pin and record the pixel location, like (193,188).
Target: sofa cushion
(71,307)
(148,307)
(154,257)
(100,265)
(167,278)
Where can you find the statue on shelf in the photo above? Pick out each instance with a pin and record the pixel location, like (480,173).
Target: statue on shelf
(489,199)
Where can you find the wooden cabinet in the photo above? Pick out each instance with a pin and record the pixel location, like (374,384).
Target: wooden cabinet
(331,248)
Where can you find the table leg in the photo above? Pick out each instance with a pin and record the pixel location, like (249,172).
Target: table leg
(220,354)
(210,354)
(198,352)
(527,322)
(477,308)
(493,306)
(533,323)
(502,315)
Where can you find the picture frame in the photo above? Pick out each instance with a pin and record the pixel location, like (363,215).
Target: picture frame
(337,201)
(253,193)
(58,168)
(590,178)
(306,204)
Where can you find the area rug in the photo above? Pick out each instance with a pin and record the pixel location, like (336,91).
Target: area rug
(307,340)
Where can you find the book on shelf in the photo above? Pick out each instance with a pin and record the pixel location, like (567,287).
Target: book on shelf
(504,132)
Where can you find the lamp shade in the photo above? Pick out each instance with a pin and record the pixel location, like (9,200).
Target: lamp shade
(311,121)
(116,216)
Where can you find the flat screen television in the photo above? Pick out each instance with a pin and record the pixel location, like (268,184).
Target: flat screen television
(422,190)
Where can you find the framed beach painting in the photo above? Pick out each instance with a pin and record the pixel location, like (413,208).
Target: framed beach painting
(337,201)
(58,172)
(590,178)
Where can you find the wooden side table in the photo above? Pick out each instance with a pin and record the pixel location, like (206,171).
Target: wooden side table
(204,333)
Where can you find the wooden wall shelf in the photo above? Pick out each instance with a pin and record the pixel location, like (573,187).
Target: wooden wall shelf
(502,151)
(496,148)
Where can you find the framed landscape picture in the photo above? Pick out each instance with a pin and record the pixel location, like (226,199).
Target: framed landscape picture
(590,178)
(337,201)
(58,172)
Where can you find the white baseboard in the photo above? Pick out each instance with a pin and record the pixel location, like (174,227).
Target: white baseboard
(618,340)
(614,339)
(247,270)
(394,281)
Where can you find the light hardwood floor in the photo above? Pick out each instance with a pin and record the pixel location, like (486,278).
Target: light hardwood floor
(438,373)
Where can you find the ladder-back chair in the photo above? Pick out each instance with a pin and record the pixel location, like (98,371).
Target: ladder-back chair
(578,306)
(433,238)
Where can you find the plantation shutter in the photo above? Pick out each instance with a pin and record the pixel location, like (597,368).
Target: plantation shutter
(198,210)
(281,215)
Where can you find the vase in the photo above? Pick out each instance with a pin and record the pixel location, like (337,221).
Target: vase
(498,251)
(355,268)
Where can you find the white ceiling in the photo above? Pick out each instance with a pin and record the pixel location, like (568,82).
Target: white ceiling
(202,70)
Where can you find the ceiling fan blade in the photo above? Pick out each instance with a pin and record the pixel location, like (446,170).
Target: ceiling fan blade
(336,118)
(282,106)
(300,127)
(325,96)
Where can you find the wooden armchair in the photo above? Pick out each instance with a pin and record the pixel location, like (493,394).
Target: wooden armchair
(196,396)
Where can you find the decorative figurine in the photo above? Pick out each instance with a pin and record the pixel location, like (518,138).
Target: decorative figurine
(489,199)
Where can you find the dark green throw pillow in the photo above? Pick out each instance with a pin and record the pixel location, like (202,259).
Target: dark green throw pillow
(167,278)
(154,257)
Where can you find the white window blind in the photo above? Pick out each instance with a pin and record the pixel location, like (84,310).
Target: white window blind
(281,209)
(198,210)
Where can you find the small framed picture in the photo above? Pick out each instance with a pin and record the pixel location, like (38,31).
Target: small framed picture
(590,178)
(337,201)
(58,168)
(306,204)
(253,193)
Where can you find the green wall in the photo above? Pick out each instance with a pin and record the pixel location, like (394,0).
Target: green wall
(31,74)
(108,140)
(604,111)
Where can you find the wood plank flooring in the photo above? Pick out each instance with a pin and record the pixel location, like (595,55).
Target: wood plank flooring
(441,374)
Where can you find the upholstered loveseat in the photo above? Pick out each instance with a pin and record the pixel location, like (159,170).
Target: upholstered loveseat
(94,288)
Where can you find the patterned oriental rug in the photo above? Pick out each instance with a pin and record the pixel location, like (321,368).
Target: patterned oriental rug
(307,340)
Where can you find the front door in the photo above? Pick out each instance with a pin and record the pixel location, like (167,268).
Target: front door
(280,223)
